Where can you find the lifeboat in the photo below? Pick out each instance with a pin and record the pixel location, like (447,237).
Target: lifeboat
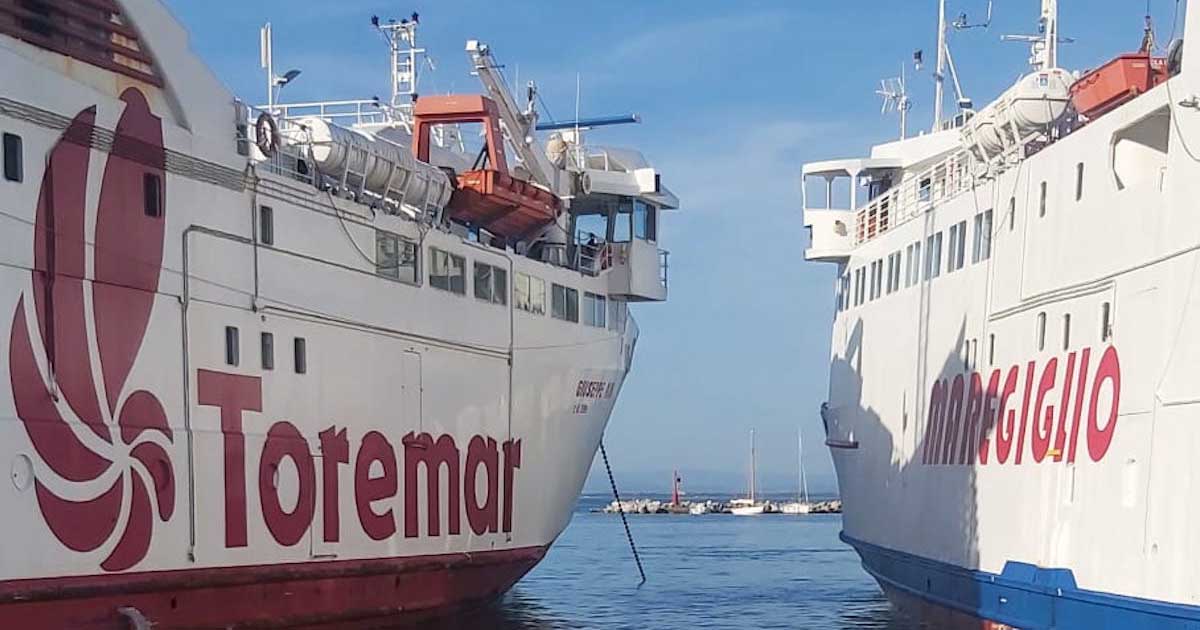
(1117,82)
(489,197)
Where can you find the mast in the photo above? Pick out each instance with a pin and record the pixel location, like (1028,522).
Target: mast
(939,73)
(800,460)
(1049,52)
(753,467)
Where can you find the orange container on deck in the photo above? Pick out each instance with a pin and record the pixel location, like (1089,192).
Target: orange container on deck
(1117,82)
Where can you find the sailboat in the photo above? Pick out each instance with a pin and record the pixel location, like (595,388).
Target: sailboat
(748,506)
(803,506)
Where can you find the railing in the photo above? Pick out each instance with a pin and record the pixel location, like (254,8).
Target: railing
(592,254)
(913,196)
(343,113)
(664,266)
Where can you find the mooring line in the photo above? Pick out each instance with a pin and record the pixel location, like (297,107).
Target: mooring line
(621,510)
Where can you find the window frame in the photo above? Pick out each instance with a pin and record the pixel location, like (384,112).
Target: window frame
(300,355)
(152,195)
(933,256)
(449,257)
(495,294)
(266,227)
(595,304)
(530,306)
(13,148)
(570,298)
(1041,331)
(266,344)
(233,346)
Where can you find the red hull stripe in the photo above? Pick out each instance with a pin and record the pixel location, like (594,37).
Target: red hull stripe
(282,595)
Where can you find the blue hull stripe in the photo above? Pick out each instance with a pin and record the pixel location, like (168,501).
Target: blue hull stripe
(1022,595)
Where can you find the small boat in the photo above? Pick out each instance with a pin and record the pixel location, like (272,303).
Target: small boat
(700,508)
(803,506)
(748,506)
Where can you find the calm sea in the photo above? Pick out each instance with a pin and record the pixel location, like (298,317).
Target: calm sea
(711,571)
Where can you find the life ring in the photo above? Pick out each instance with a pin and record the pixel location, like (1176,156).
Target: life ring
(266,134)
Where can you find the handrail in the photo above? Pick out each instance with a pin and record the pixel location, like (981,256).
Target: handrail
(913,196)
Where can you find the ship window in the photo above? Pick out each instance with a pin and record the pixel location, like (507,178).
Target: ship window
(1105,321)
(876,277)
(844,303)
(564,303)
(266,225)
(14,167)
(1042,201)
(933,256)
(982,249)
(893,272)
(1041,331)
(991,349)
(913,266)
(491,283)
(232,347)
(1066,331)
(267,343)
(447,271)
(643,220)
(974,353)
(618,315)
(530,294)
(300,355)
(595,309)
(1079,181)
(958,247)
(1012,213)
(152,191)
(396,257)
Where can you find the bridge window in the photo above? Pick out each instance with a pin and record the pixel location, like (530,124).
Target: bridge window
(644,221)
(14,167)
(267,342)
(530,294)
(266,225)
(232,346)
(564,303)
(491,283)
(447,271)
(595,309)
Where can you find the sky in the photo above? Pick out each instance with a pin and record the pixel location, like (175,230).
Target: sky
(734,97)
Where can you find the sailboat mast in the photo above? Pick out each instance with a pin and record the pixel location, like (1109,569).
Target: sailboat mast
(803,477)
(753,467)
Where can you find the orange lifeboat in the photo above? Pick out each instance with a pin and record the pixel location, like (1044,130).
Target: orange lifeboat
(1116,82)
(490,197)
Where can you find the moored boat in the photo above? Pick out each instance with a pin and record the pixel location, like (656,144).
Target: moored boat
(300,363)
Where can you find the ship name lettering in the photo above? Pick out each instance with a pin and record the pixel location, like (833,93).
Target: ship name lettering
(379,475)
(969,423)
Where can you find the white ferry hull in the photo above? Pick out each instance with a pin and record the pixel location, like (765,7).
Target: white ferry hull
(204,429)
(1014,436)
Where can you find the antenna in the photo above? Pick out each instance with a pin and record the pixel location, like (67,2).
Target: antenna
(401,38)
(895,99)
(1043,47)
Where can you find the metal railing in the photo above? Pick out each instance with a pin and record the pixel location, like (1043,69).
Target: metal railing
(664,266)
(343,113)
(591,253)
(913,196)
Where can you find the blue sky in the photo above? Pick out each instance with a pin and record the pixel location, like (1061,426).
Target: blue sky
(734,97)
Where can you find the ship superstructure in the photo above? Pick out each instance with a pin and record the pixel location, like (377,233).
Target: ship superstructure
(296,363)
(1013,388)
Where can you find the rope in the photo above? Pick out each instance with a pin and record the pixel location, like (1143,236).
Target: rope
(621,511)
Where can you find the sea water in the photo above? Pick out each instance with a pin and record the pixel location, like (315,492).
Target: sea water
(709,571)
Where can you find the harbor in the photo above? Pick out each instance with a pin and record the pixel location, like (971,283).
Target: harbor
(711,506)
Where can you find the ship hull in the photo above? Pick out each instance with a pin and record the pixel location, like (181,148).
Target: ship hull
(317,594)
(1021,596)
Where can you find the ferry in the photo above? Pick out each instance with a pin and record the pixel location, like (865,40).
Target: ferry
(1013,391)
(294,364)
